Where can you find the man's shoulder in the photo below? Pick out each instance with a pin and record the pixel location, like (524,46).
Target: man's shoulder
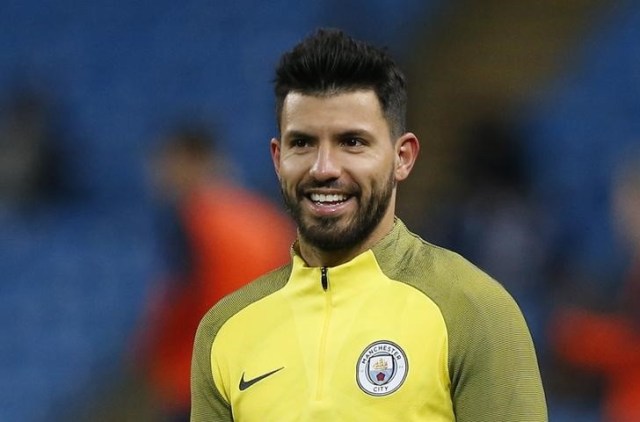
(442,274)
(473,304)
(235,302)
(405,255)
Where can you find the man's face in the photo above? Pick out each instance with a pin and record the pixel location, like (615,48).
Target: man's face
(335,162)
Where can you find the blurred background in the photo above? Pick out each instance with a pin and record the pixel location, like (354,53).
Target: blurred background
(529,119)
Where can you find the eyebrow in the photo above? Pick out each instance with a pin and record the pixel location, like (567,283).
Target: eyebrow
(297,134)
(345,134)
(354,133)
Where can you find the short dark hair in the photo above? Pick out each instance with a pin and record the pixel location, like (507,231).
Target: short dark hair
(329,61)
(195,139)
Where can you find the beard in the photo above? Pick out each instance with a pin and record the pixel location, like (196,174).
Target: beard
(340,232)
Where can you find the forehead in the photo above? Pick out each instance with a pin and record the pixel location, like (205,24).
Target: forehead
(343,110)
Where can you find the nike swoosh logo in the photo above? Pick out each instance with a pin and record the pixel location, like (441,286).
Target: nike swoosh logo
(248,383)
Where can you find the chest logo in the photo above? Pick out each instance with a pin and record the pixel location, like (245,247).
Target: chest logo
(382,368)
(244,384)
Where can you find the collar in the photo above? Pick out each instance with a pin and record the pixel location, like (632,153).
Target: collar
(350,275)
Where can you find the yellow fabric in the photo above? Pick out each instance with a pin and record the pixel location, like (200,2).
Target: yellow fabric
(462,342)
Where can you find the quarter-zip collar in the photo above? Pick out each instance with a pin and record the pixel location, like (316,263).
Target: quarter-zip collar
(347,278)
(350,276)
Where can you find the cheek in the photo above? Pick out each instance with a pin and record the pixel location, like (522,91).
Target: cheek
(287,170)
(374,176)
(290,174)
(295,166)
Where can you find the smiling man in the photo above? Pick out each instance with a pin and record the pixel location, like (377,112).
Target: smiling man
(368,321)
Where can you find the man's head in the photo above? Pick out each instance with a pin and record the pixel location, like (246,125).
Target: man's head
(184,160)
(342,146)
(329,62)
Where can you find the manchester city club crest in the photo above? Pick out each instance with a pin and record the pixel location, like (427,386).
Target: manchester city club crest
(382,368)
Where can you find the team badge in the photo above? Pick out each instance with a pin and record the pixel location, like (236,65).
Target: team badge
(382,368)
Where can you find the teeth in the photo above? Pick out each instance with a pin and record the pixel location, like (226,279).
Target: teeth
(318,197)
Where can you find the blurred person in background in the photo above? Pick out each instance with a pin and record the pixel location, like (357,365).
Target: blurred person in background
(222,236)
(497,222)
(29,162)
(606,342)
(216,236)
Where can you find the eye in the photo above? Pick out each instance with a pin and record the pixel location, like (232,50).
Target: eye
(353,142)
(299,143)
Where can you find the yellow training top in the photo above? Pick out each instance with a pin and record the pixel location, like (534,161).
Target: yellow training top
(405,331)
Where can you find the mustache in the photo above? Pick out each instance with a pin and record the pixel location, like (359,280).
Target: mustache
(349,189)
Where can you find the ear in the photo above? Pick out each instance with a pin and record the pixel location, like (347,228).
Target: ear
(407,149)
(275,155)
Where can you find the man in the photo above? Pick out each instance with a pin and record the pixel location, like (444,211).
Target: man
(368,321)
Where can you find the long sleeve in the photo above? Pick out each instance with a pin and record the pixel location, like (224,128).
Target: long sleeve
(207,404)
(493,365)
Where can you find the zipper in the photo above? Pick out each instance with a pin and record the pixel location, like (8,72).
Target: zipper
(324,279)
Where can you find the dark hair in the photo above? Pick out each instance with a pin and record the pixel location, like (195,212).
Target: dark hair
(329,62)
(192,138)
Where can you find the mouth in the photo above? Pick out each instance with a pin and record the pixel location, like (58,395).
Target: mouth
(329,204)
(327,199)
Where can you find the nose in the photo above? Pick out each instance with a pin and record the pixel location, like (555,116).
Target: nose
(326,165)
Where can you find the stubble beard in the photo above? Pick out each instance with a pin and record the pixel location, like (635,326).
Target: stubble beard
(342,232)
